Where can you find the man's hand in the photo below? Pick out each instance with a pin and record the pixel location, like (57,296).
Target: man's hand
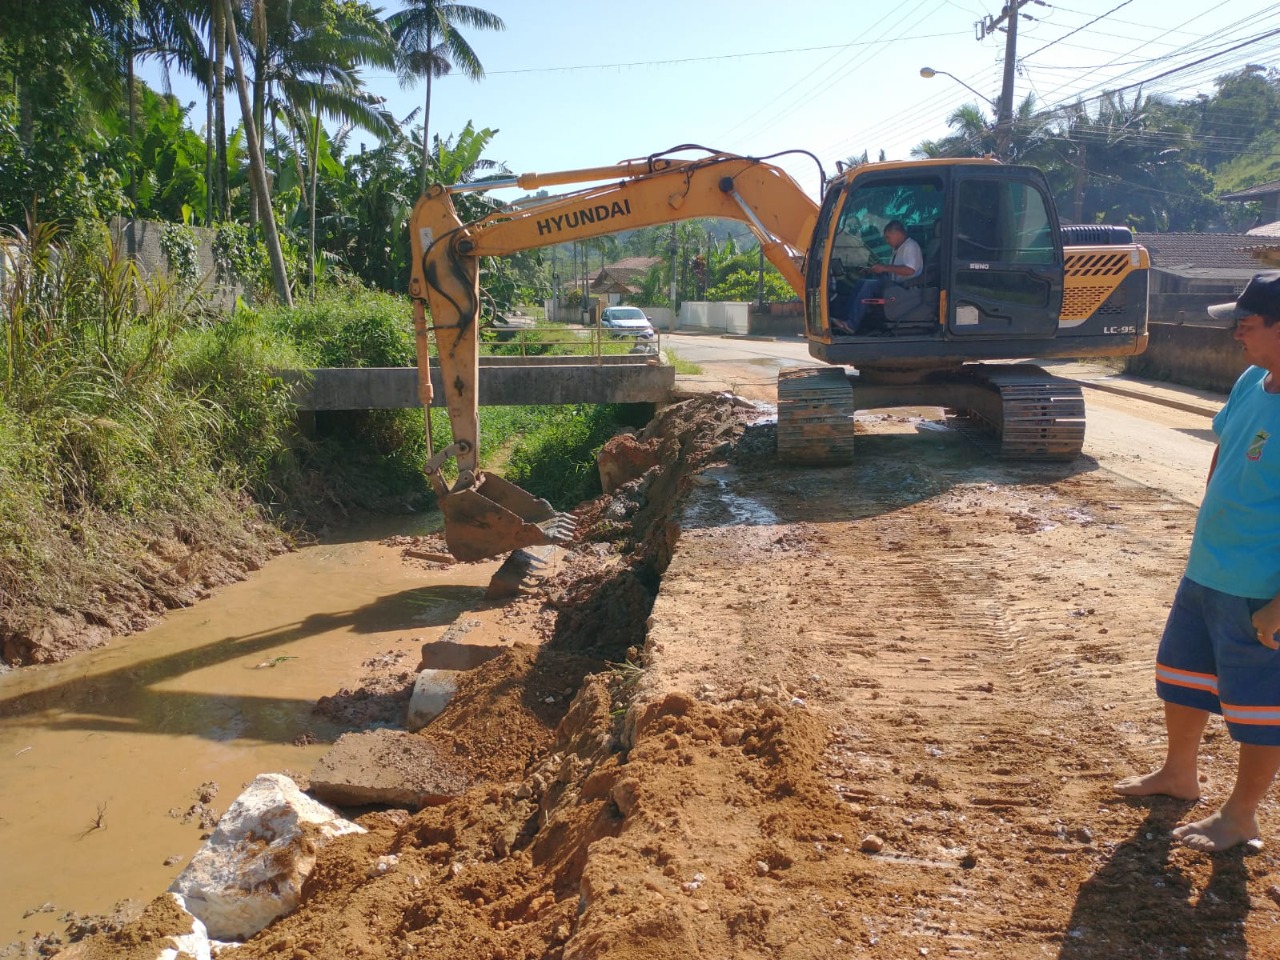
(882,268)
(1267,622)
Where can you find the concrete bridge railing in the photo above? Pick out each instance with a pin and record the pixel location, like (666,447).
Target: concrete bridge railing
(504,381)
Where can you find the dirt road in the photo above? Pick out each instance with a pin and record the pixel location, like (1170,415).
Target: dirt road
(876,713)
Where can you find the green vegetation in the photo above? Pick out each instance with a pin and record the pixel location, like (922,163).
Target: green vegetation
(553,455)
(122,420)
(1147,162)
(683,367)
(127,416)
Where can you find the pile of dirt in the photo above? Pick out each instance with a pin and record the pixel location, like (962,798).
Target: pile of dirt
(379,699)
(495,873)
(685,437)
(872,711)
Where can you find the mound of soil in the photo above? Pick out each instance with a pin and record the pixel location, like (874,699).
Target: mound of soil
(538,728)
(871,711)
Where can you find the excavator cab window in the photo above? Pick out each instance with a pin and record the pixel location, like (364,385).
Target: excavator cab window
(918,203)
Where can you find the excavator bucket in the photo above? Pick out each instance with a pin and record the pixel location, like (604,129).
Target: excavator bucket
(492,516)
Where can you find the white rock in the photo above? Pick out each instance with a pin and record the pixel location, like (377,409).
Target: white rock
(194,944)
(251,870)
(432,692)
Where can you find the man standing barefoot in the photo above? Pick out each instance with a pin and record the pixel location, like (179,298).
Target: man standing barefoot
(1219,649)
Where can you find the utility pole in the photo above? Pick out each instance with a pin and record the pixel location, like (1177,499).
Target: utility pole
(984,29)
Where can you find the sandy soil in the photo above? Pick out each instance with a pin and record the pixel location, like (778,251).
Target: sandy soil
(775,713)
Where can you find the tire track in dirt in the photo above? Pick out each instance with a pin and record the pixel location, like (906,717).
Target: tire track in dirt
(976,643)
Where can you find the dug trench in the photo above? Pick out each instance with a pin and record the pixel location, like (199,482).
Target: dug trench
(768,712)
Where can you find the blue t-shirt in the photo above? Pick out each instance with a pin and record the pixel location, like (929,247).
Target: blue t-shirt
(1236,547)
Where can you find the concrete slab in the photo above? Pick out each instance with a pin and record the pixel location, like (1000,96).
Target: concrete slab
(432,692)
(390,767)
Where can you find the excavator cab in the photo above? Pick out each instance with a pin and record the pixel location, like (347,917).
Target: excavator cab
(993,256)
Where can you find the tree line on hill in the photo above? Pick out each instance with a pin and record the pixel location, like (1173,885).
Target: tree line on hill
(1144,161)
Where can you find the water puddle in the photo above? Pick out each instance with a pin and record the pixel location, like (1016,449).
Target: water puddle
(101,756)
(719,501)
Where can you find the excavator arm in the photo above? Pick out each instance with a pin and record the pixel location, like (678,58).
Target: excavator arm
(485,515)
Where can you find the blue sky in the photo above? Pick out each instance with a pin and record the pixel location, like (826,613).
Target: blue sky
(574,84)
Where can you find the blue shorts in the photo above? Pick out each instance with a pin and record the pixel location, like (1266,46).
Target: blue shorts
(1210,659)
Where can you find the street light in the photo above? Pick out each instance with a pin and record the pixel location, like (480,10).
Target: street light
(928,73)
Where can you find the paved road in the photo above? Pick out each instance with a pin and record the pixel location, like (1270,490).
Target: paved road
(1158,435)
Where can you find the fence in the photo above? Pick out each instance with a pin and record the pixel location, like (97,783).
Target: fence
(593,341)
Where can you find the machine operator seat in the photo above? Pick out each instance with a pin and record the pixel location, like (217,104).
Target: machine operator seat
(911,308)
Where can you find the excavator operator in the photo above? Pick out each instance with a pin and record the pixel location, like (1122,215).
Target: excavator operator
(907,264)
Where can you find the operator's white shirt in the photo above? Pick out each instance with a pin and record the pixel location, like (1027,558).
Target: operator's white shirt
(910,255)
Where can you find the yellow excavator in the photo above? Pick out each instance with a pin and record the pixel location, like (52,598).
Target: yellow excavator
(996,278)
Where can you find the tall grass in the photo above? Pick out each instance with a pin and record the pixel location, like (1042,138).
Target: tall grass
(85,355)
(110,429)
(127,413)
(553,452)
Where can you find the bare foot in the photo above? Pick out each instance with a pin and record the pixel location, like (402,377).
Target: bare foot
(1160,783)
(1217,832)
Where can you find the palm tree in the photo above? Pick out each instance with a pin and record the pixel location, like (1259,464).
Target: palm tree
(162,29)
(973,135)
(309,55)
(257,167)
(429,45)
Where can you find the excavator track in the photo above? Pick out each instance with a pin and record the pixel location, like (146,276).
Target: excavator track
(1036,416)
(815,416)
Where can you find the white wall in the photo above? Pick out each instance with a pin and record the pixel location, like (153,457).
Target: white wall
(728,317)
(660,317)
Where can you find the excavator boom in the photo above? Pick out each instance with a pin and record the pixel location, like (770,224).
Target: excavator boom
(485,515)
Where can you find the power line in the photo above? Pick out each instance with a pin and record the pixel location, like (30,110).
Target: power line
(1184,50)
(684,60)
(1049,113)
(1123,4)
(881,43)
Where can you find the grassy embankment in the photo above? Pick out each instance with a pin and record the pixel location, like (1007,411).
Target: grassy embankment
(130,416)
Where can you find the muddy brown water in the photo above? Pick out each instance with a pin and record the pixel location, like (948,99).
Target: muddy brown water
(126,735)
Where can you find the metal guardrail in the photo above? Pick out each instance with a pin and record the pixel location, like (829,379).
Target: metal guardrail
(597,337)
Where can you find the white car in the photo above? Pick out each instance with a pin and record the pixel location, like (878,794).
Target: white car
(626,322)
